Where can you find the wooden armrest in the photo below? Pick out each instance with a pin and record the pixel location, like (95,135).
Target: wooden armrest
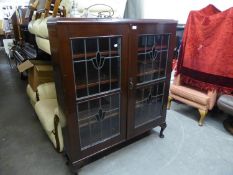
(56,6)
(63,14)
(47,7)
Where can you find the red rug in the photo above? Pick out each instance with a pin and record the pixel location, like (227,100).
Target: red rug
(206,55)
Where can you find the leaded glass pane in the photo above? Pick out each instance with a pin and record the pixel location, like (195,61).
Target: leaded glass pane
(149,102)
(99,119)
(152,57)
(97,62)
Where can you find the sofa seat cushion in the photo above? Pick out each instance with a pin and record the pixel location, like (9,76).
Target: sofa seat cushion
(190,94)
(45,112)
(225,103)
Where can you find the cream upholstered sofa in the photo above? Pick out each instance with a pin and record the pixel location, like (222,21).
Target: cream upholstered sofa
(202,100)
(46,107)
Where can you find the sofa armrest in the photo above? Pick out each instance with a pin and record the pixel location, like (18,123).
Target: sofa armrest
(177,80)
(61,116)
(59,123)
(50,121)
(213,96)
(31,94)
(46,91)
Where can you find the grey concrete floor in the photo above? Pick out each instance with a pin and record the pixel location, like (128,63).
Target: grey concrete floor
(187,149)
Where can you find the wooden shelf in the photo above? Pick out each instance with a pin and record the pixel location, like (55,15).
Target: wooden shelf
(149,71)
(93,83)
(147,61)
(93,54)
(84,121)
(140,103)
(140,49)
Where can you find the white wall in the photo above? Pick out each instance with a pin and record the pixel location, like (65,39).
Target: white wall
(179,9)
(12,3)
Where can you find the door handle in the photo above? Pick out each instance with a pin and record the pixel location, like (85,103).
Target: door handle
(131,84)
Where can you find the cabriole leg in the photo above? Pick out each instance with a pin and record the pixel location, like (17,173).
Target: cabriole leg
(67,158)
(163,126)
(203,114)
(169,102)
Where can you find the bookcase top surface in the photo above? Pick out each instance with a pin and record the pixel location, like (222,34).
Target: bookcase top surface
(61,20)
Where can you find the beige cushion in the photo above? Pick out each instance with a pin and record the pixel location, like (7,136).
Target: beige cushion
(190,94)
(43,44)
(39,27)
(32,26)
(31,94)
(45,112)
(47,91)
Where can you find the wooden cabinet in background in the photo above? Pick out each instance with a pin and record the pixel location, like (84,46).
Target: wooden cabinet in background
(112,79)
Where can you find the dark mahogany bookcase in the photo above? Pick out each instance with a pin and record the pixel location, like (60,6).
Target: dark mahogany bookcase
(112,79)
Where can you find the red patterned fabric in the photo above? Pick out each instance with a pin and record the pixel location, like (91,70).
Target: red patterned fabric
(206,55)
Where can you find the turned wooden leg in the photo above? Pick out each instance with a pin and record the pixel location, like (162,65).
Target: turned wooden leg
(55,132)
(203,114)
(66,158)
(163,126)
(169,102)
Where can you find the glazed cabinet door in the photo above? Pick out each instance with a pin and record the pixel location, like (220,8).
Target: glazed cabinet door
(98,62)
(97,70)
(149,76)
